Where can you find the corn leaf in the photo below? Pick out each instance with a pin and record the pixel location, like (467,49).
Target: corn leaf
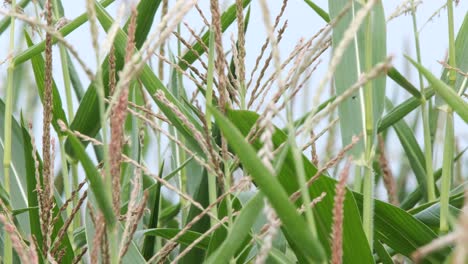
(271,187)
(353,63)
(18,183)
(445,92)
(95,180)
(322,13)
(239,231)
(461,55)
(401,231)
(355,246)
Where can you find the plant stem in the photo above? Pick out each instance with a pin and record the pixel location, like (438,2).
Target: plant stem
(7,153)
(242,93)
(452,60)
(368,207)
(182,155)
(227,186)
(300,171)
(212,193)
(74,168)
(114,241)
(449,142)
(357,179)
(65,175)
(301,176)
(66,81)
(7,247)
(447,167)
(368,188)
(425,117)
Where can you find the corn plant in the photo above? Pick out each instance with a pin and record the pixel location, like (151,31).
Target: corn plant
(164,144)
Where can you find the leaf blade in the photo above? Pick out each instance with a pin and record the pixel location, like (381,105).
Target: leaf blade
(444,91)
(95,181)
(272,189)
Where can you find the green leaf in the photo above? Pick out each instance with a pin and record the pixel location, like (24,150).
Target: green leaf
(155,197)
(95,180)
(132,126)
(271,187)
(219,236)
(395,75)
(378,48)
(75,79)
(355,246)
(346,75)
(382,253)
(146,13)
(169,213)
(401,231)
(133,254)
(278,257)
(30,166)
(444,91)
(79,237)
(461,54)
(413,152)
(239,231)
(65,242)
(21,210)
(18,197)
(186,239)
(431,215)
(353,63)
(60,10)
(461,46)
(201,196)
(415,196)
(402,110)
(251,250)
(174,172)
(456,200)
(322,13)
(34,217)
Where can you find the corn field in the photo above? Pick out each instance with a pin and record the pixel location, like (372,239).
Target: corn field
(178,138)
